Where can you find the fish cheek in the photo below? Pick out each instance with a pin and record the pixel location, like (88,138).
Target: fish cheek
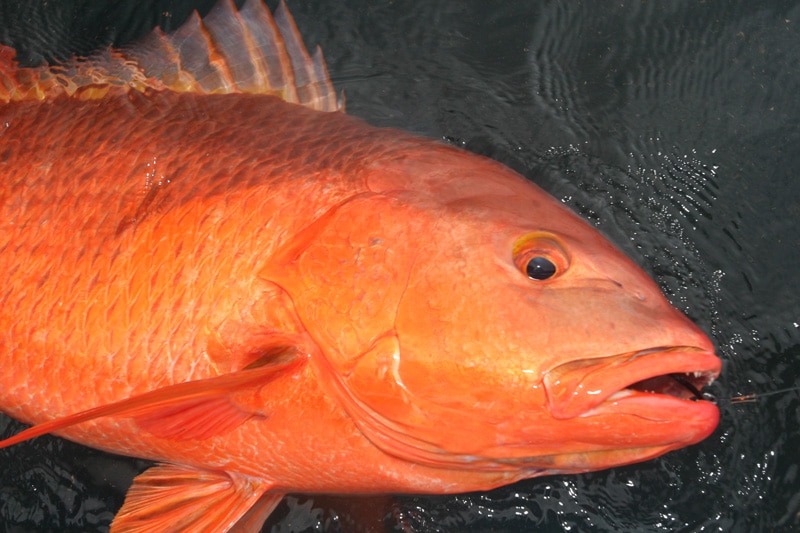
(476,342)
(408,425)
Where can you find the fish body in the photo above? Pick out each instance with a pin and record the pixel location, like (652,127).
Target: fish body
(266,297)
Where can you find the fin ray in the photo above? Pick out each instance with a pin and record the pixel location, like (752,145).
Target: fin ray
(272,61)
(182,498)
(189,410)
(231,38)
(230,51)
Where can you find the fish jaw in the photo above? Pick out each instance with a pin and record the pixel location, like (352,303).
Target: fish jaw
(583,387)
(645,400)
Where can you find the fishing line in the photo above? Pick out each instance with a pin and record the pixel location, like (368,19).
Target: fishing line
(742,398)
(754,397)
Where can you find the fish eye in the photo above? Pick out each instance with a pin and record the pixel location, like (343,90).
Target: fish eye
(540,268)
(540,256)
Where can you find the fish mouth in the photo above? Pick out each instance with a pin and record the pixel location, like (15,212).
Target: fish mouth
(646,381)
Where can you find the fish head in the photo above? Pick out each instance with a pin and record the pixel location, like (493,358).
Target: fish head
(471,321)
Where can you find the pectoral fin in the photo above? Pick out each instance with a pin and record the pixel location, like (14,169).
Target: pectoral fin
(172,498)
(191,410)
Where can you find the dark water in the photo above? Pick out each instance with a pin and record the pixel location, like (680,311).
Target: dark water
(672,126)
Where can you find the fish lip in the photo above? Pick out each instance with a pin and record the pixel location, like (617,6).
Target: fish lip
(578,388)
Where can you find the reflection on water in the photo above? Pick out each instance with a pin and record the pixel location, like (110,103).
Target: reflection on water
(673,127)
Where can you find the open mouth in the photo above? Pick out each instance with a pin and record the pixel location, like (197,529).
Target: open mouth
(678,373)
(682,386)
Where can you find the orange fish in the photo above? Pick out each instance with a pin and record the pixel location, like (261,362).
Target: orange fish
(208,264)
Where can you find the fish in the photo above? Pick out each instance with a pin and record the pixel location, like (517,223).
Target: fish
(210,265)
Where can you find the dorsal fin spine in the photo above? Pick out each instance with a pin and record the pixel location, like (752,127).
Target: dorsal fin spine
(274,59)
(321,74)
(310,87)
(225,29)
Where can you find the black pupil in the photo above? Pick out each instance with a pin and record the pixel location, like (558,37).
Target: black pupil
(540,268)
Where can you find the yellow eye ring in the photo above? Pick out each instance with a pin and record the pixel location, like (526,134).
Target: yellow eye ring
(540,256)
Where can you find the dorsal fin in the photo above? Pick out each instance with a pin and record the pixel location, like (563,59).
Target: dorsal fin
(230,51)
